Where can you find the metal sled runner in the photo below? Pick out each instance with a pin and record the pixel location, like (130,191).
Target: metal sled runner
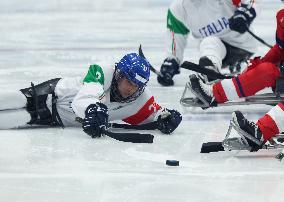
(267,98)
(241,143)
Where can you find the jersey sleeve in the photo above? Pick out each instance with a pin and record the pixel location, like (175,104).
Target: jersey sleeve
(177,30)
(91,91)
(280,28)
(276,53)
(147,110)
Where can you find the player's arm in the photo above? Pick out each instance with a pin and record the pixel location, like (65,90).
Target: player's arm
(176,39)
(177,30)
(87,105)
(276,53)
(91,91)
(167,120)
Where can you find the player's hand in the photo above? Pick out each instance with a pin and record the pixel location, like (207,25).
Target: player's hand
(242,18)
(96,119)
(169,68)
(168,121)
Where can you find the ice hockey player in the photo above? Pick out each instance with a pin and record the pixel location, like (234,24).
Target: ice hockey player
(220,27)
(262,73)
(104,94)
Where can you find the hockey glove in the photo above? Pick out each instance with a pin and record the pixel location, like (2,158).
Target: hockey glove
(168,121)
(169,68)
(242,18)
(96,119)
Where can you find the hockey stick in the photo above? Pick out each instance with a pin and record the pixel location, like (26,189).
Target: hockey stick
(203,70)
(126,137)
(146,126)
(12,109)
(151,67)
(259,39)
(190,66)
(130,137)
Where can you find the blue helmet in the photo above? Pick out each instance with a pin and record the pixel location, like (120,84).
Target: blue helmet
(134,68)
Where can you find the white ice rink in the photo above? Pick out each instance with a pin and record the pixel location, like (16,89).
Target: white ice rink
(40,40)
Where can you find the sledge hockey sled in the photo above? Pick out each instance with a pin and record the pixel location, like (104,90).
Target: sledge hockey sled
(240,142)
(268,98)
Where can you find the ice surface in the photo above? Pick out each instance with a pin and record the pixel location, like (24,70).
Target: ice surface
(46,39)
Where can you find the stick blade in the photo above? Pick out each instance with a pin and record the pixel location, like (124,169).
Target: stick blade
(209,147)
(131,137)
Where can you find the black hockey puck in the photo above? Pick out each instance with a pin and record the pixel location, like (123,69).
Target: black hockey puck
(172,163)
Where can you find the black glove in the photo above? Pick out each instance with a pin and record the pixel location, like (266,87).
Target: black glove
(169,68)
(96,119)
(242,18)
(168,121)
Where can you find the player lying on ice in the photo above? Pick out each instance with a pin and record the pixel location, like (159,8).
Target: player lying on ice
(260,74)
(219,25)
(103,95)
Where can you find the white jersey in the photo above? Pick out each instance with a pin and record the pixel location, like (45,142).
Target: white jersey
(203,18)
(76,94)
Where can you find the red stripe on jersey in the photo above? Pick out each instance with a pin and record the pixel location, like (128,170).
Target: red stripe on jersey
(219,93)
(147,110)
(236,2)
(237,87)
(267,127)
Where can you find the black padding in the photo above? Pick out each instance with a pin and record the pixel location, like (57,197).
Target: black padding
(211,147)
(44,88)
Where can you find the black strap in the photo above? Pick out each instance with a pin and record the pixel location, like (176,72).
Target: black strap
(35,98)
(56,120)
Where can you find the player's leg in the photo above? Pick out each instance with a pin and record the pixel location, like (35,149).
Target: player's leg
(268,126)
(12,109)
(212,52)
(246,84)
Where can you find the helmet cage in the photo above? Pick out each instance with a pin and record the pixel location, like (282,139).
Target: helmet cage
(118,75)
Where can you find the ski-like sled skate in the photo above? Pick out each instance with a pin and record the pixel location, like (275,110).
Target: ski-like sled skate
(272,98)
(239,143)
